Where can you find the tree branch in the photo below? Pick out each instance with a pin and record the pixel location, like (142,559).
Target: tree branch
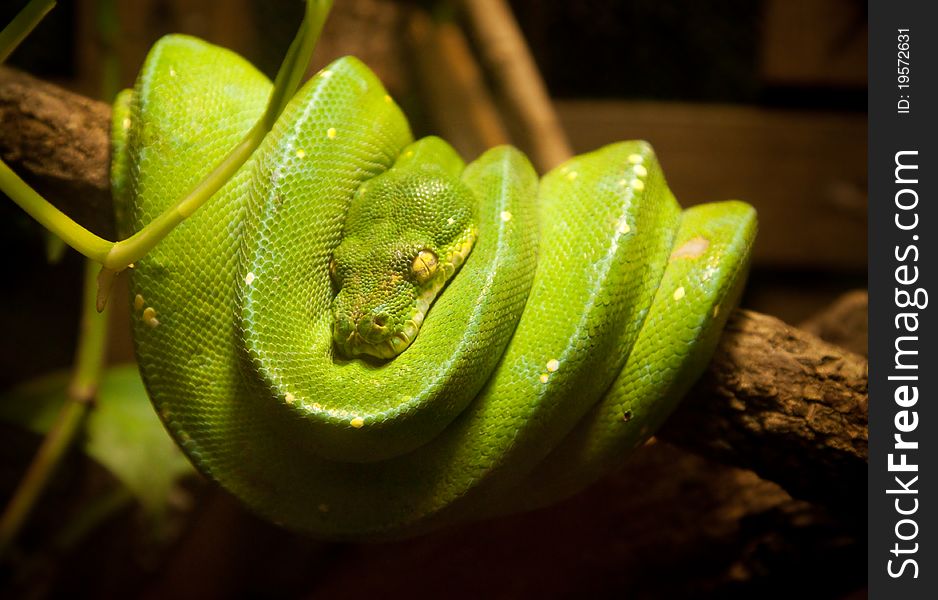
(785,404)
(58,142)
(510,63)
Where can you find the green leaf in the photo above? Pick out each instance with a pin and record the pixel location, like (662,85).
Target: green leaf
(122,433)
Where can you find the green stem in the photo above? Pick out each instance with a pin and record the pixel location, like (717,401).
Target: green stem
(21,25)
(118,256)
(80,397)
(76,236)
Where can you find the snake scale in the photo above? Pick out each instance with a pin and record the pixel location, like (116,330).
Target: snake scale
(576,309)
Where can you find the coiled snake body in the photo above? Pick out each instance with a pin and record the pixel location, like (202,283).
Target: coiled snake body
(587,306)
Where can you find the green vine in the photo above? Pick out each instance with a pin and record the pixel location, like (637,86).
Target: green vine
(82,391)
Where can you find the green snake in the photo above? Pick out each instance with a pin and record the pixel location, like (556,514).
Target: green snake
(360,336)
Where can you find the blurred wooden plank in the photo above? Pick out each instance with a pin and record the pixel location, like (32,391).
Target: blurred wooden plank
(370,30)
(817,43)
(805,172)
(518,82)
(456,98)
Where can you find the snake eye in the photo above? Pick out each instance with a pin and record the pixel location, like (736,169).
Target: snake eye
(425,266)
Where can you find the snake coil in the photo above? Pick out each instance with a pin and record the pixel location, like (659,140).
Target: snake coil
(588,306)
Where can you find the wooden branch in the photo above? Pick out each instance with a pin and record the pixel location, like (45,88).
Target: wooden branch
(774,399)
(785,404)
(458,103)
(58,142)
(519,82)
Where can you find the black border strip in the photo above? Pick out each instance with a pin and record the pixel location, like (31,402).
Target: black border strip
(903,268)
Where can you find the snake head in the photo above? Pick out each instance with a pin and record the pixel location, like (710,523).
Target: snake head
(406,234)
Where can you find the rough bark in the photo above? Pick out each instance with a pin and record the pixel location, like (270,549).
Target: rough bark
(775,399)
(57,142)
(785,404)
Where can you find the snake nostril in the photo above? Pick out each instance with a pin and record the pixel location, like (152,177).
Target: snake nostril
(343,327)
(373,327)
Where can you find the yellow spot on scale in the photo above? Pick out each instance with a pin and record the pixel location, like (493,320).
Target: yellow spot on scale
(636,159)
(640,170)
(679,293)
(506,216)
(249,278)
(572,175)
(330,133)
(387,98)
(138,302)
(544,377)
(408,154)
(637,185)
(623,226)
(289,398)
(300,153)
(553,364)
(357,422)
(692,248)
(172,72)
(623,182)
(326,74)
(149,317)
(126,123)
(716,310)
(450,221)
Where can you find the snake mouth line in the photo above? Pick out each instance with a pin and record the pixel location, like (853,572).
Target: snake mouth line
(354,344)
